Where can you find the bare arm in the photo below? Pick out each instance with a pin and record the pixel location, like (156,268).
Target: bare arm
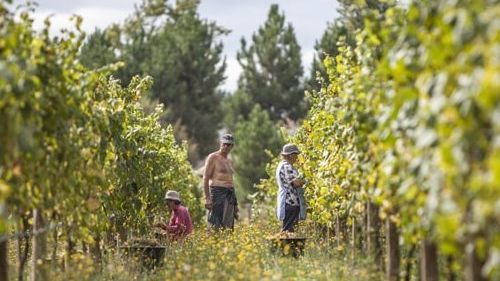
(207,175)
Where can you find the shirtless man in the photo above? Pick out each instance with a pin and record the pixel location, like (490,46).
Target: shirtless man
(220,198)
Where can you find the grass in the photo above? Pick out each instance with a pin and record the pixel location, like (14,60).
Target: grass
(243,254)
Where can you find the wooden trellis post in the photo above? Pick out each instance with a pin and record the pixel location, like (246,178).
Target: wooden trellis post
(428,261)
(393,253)
(4,265)
(39,247)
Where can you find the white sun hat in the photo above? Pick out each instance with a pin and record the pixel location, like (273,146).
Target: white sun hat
(173,195)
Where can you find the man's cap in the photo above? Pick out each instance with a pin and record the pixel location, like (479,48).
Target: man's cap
(173,195)
(290,148)
(227,138)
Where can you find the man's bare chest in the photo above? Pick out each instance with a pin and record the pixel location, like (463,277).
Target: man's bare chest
(223,166)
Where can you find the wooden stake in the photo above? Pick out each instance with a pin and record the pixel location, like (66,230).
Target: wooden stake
(393,253)
(39,248)
(429,261)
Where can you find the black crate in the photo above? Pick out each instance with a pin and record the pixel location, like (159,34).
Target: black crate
(150,257)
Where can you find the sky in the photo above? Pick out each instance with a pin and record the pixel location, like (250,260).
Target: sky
(243,17)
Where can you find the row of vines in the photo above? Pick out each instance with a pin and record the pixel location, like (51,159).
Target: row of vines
(402,146)
(76,148)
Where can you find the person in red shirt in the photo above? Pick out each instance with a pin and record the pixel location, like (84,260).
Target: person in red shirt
(180,224)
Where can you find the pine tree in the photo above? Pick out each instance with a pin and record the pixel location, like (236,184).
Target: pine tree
(99,50)
(255,138)
(182,53)
(236,108)
(187,66)
(272,69)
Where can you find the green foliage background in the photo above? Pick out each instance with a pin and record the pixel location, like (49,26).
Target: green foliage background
(257,139)
(270,95)
(75,143)
(407,118)
(183,54)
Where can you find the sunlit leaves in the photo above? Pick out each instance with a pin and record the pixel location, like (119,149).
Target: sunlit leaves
(409,121)
(76,144)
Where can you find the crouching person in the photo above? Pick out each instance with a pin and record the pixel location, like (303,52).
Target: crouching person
(180,224)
